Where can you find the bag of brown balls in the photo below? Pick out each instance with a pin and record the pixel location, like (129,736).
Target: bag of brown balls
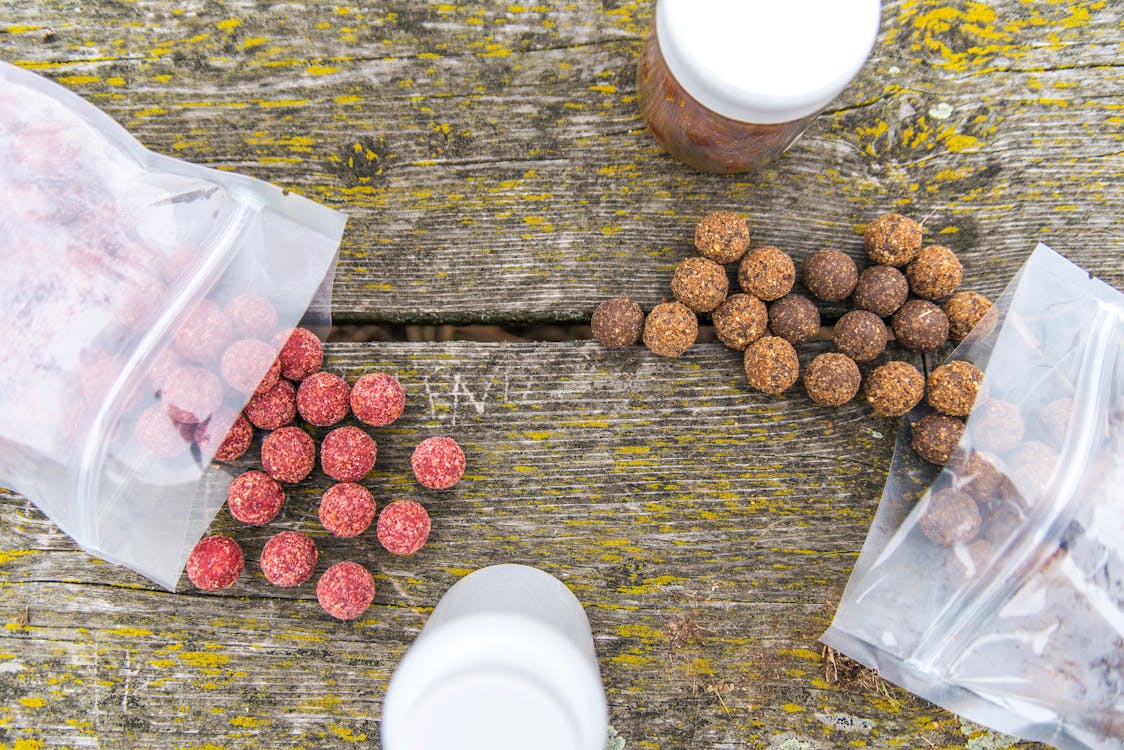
(145,300)
(994,585)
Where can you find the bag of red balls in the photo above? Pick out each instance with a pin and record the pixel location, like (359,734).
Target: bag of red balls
(992,580)
(145,300)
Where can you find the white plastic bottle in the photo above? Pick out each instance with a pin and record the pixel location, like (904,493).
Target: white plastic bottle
(505,662)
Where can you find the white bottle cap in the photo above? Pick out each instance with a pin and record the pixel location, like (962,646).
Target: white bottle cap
(766,61)
(495,682)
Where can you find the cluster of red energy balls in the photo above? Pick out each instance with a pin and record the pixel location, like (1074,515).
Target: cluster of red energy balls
(297,385)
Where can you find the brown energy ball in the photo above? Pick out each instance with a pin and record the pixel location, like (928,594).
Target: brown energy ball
(830,275)
(895,388)
(965,310)
(700,283)
(832,379)
(935,437)
(722,236)
(952,388)
(881,290)
(997,426)
(977,474)
(950,517)
(767,273)
(617,322)
(1053,420)
(670,329)
(1032,467)
(966,560)
(892,239)
(771,365)
(740,320)
(920,326)
(934,273)
(794,318)
(861,335)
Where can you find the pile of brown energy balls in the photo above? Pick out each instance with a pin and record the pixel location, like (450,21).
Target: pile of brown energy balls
(911,285)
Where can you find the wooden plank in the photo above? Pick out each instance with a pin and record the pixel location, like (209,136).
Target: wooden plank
(495,169)
(708,530)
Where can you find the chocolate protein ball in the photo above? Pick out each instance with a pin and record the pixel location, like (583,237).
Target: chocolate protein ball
(965,310)
(323,398)
(347,454)
(347,509)
(935,437)
(377,399)
(617,322)
(215,563)
(861,335)
(950,517)
(345,590)
(771,365)
(997,425)
(700,283)
(830,275)
(977,474)
(767,273)
(403,527)
(934,273)
(892,239)
(952,388)
(920,326)
(881,290)
(274,408)
(288,559)
(438,462)
(794,318)
(832,379)
(670,329)
(254,497)
(288,454)
(894,388)
(740,320)
(722,236)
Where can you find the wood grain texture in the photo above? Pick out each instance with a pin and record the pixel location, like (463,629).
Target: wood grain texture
(708,530)
(495,169)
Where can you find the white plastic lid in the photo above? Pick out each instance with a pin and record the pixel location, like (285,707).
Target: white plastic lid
(494,682)
(766,61)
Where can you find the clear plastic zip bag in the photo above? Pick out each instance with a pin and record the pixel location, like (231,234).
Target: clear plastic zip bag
(144,301)
(994,586)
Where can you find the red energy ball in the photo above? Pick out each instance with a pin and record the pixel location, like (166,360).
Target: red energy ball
(250,366)
(289,559)
(158,434)
(377,399)
(323,399)
(347,454)
(301,353)
(288,454)
(274,408)
(347,509)
(254,497)
(226,447)
(438,463)
(215,563)
(191,394)
(346,590)
(252,316)
(204,334)
(403,527)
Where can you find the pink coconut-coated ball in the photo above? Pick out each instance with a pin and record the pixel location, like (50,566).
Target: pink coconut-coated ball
(347,454)
(215,563)
(438,463)
(228,446)
(288,454)
(377,399)
(289,559)
(301,353)
(250,366)
(255,498)
(346,590)
(347,509)
(322,399)
(253,316)
(403,527)
(274,408)
(191,394)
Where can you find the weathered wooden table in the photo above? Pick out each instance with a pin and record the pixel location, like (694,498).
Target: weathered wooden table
(495,171)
